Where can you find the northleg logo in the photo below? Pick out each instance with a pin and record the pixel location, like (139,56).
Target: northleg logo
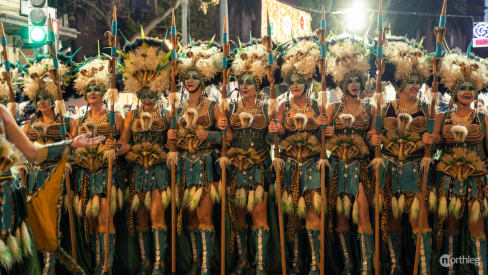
(446,260)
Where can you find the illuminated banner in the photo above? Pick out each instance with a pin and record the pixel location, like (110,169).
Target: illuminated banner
(285,21)
(480,34)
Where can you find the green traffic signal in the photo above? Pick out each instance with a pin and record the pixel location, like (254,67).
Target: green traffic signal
(37,34)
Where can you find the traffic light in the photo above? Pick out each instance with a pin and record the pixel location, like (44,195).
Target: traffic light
(38,21)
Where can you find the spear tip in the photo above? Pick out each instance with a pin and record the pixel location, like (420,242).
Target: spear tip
(380,8)
(2,30)
(114,13)
(173,22)
(323,12)
(225,24)
(444,8)
(267,17)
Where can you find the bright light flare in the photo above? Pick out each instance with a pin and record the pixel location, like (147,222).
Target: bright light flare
(355,18)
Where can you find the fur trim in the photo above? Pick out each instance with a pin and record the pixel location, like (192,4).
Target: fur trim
(485,206)
(224,162)
(346,202)
(425,163)
(26,240)
(251,202)
(442,210)
(432,202)
(113,200)
(259,194)
(246,119)
(172,159)
(109,154)
(40,128)
(404,120)
(456,67)
(322,163)
(252,59)
(355,212)
(286,202)
(68,168)
(278,164)
(401,204)
(459,132)
(147,200)
(14,248)
(348,57)
(95,72)
(135,203)
(339,206)
(59,107)
(195,199)
(475,212)
(190,117)
(457,209)
(88,209)
(146,121)
(377,162)
(347,119)
(302,58)
(146,67)
(241,197)
(214,194)
(272,106)
(414,210)
(90,127)
(95,206)
(5,256)
(207,60)
(19,240)
(394,207)
(317,202)
(40,78)
(302,208)
(111,96)
(300,121)
(120,198)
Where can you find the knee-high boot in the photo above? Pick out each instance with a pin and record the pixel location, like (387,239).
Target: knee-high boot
(144,238)
(425,252)
(366,252)
(450,246)
(294,255)
(313,238)
(49,262)
(207,249)
(241,242)
(196,249)
(261,237)
(111,252)
(479,252)
(394,247)
(345,243)
(160,245)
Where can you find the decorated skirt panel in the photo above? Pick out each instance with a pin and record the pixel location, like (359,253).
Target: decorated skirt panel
(198,169)
(38,175)
(7,214)
(306,173)
(94,183)
(472,186)
(154,177)
(249,177)
(348,175)
(405,176)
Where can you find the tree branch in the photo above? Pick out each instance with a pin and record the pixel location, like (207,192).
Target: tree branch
(151,25)
(97,9)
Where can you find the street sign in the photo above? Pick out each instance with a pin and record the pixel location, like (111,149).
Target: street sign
(480,34)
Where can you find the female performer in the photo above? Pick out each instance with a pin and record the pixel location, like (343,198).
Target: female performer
(462,170)
(298,121)
(349,122)
(91,163)
(145,130)
(250,156)
(44,127)
(198,138)
(405,127)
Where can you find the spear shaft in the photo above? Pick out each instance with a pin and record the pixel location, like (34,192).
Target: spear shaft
(6,74)
(440,32)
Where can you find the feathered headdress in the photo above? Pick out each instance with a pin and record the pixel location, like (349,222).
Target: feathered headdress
(251,59)
(404,58)
(206,58)
(39,77)
(301,57)
(457,67)
(95,71)
(146,65)
(347,55)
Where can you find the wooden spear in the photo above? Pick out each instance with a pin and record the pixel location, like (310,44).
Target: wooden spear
(277,161)
(224,161)
(173,154)
(12,105)
(60,109)
(321,32)
(440,33)
(377,156)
